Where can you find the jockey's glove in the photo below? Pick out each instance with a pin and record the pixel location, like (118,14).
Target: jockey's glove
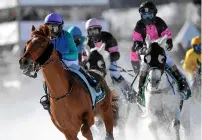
(169,44)
(137,45)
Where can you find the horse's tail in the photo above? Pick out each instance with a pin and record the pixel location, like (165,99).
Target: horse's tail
(115,107)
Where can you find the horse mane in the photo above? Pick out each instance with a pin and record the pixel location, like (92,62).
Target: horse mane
(46,54)
(43,31)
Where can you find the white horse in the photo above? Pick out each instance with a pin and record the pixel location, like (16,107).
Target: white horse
(161,95)
(98,60)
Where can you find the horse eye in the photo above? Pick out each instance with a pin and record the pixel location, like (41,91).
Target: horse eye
(100,64)
(161,58)
(147,58)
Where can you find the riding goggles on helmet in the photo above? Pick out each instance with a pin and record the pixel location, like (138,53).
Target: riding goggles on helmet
(197,47)
(54,28)
(147,15)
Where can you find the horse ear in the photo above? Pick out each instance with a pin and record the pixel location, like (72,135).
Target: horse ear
(47,31)
(148,41)
(33,28)
(102,48)
(163,40)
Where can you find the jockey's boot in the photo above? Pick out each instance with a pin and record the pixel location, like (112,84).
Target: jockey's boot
(129,92)
(182,82)
(91,80)
(140,87)
(44,101)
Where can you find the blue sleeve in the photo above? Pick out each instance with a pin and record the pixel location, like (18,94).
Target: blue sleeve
(72,54)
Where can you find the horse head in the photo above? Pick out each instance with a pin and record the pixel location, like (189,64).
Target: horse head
(37,50)
(155,58)
(97,59)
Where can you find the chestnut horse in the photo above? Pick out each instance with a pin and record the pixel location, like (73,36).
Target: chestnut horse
(70,100)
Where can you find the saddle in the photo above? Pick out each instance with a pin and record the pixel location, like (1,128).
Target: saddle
(95,96)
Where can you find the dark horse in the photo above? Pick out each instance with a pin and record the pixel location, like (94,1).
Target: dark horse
(70,101)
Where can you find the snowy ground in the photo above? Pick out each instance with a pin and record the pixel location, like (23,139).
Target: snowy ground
(22,117)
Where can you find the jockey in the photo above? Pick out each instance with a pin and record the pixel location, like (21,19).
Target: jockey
(193,57)
(64,43)
(78,39)
(95,38)
(155,27)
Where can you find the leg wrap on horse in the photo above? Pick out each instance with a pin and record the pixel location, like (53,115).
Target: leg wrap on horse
(140,87)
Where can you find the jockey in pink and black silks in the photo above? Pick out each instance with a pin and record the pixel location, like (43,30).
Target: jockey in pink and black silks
(151,25)
(96,37)
(154,27)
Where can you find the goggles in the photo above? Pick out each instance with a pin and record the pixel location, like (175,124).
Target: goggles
(197,47)
(54,28)
(93,31)
(147,15)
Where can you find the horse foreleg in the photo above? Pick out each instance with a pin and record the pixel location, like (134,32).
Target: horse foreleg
(153,128)
(176,122)
(115,107)
(107,117)
(176,126)
(186,121)
(70,135)
(54,122)
(88,121)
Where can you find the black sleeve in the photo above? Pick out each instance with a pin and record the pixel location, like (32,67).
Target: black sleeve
(141,29)
(161,25)
(111,42)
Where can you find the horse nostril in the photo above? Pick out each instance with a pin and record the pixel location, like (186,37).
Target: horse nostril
(23,62)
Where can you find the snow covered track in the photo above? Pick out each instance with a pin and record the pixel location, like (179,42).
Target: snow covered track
(22,117)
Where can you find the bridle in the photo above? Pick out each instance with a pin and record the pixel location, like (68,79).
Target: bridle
(36,66)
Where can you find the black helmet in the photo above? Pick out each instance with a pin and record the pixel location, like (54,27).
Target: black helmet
(150,5)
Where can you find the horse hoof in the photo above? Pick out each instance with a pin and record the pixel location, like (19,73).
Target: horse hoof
(109,137)
(176,123)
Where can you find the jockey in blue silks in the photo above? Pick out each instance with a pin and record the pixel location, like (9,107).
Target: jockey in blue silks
(78,39)
(64,43)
